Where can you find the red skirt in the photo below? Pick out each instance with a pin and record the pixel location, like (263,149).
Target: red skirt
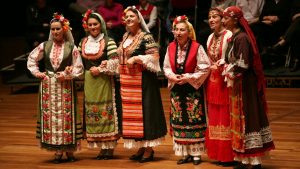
(218,135)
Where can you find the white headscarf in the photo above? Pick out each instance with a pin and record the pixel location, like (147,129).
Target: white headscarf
(86,16)
(141,19)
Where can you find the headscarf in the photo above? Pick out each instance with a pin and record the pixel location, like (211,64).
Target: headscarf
(65,25)
(141,19)
(184,19)
(87,15)
(237,14)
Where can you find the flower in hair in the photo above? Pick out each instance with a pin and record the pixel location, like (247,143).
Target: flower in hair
(179,19)
(85,18)
(65,22)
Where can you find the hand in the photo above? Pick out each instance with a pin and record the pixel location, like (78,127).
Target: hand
(60,76)
(267,22)
(68,69)
(220,62)
(131,60)
(273,18)
(103,64)
(214,67)
(40,75)
(175,78)
(94,71)
(266,18)
(183,79)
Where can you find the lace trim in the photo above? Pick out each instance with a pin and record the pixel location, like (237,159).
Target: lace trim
(219,132)
(89,49)
(258,139)
(249,160)
(150,62)
(102,145)
(111,68)
(131,143)
(193,149)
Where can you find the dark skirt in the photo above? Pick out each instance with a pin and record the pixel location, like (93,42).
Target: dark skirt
(153,113)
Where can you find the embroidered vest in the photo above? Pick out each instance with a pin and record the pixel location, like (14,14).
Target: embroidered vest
(88,63)
(67,56)
(190,61)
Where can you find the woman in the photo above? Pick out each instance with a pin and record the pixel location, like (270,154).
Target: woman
(58,124)
(143,120)
(251,133)
(186,66)
(218,136)
(101,121)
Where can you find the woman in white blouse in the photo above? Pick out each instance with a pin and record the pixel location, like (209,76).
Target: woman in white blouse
(58,124)
(186,66)
(101,120)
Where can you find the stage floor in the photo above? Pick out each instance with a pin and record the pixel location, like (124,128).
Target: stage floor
(19,148)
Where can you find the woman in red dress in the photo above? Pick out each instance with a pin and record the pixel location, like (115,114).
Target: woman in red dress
(218,136)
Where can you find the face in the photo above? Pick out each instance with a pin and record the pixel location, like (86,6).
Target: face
(214,20)
(57,31)
(131,19)
(94,27)
(229,23)
(181,32)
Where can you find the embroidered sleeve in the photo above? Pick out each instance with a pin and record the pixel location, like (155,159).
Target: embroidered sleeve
(238,60)
(242,55)
(224,46)
(197,78)
(111,49)
(112,65)
(238,57)
(77,66)
(34,57)
(168,70)
(151,59)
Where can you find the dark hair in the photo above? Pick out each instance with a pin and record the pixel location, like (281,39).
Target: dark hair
(95,17)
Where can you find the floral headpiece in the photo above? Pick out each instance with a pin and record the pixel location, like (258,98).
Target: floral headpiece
(85,18)
(180,19)
(185,20)
(65,22)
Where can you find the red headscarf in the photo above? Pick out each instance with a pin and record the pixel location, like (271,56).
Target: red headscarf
(237,14)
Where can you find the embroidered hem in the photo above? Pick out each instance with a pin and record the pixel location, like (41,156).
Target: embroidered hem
(249,160)
(131,143)
(193,149)
(103,144)
(52,147)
